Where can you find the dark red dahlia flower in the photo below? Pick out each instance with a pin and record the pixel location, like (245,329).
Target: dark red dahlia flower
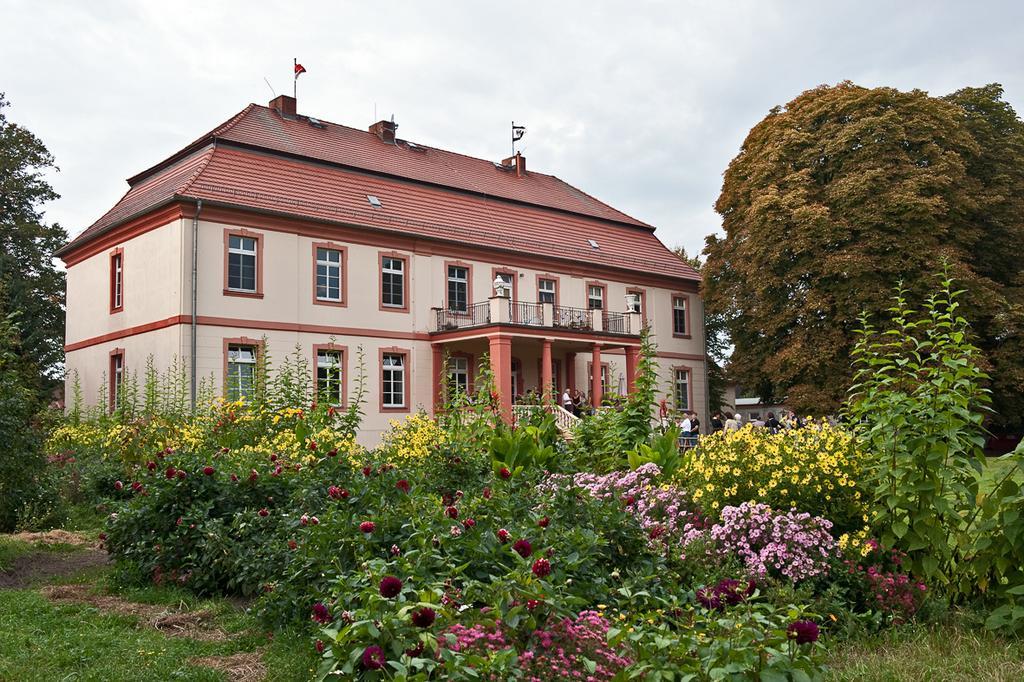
(803,631)
(452,512)
(503,536)
(208,471)
(505,473)
(423,618)
(541,568)
(523,547)
(367,526)
(390,587)
(170,473)
(263,512)
(403,485)
(543,523)
(373,658)
(320,613)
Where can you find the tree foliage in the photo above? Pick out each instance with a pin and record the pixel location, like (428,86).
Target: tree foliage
(846,191)
(33,286)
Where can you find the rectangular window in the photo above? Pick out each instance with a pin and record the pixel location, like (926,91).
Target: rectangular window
(241,263)
(458,288)
(392,282)
(595,297)
(393,380)
(241,378)
(329,368)
(679,315)
(546,290)
(328,275)
(117,281)
(458,374)
(682,389)
(116,380)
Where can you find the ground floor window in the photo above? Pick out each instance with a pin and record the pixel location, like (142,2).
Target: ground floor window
(458,374)
(393,380)
(116,379)
(241,377)
(682,389)
(329,369)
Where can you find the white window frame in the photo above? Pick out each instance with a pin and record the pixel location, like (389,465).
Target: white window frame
(542,291)
(116,379)
(118,281)
(458,373)
(456,280)
(591,288)
(236,361)
(681,380)
(326,384)
(242,252)
(393,373)
(323,281)
(393,272)
(678,310)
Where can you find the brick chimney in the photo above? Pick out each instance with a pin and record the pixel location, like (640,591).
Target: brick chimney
(385,130)
(518,162)
(284,105)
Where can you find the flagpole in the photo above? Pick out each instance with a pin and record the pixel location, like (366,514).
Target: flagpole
(295,78)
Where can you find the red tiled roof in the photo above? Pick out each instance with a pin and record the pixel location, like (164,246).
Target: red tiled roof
(444,196)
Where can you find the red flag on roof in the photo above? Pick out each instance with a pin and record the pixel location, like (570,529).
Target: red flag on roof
(299,68)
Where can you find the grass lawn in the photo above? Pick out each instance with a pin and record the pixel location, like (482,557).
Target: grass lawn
(42,640)
(935,653)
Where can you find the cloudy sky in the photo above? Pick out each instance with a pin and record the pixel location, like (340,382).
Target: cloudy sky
(642,104)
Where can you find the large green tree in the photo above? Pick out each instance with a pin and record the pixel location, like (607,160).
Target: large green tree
(847,191)
(33,287)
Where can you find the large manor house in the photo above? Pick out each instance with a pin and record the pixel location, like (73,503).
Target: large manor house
(276,230)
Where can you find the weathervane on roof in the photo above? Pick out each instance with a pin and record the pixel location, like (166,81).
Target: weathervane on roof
(517,134)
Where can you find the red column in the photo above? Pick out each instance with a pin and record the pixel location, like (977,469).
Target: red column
(437,374)
(632,357)
(501,366)
(545,370)
(595,376)
(570,370)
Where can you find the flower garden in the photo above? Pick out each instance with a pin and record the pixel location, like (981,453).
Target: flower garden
(461,548)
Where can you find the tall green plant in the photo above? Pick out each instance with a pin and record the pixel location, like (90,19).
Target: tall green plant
(918,403)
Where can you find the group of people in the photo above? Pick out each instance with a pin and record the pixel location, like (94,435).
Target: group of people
(730,421)
(574,401)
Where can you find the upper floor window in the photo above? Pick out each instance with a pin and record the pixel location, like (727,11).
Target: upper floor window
(393,380)
(241,376)
(117,281)
(392,282)
(458,288)
(682,389)
(595,297)
(242,264)
(679,316)
(546,290)
(116,379)
(329,369)
(328,275)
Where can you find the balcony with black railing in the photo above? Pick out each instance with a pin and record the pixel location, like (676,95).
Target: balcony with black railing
(505,311)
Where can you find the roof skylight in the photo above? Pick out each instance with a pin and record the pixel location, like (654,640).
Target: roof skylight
(374,201)
(593,244)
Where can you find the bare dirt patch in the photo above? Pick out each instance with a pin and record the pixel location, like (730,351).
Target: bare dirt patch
(191,624)
(57,537)
(241,667)
(41,565)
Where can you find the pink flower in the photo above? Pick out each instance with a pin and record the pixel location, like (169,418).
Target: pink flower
(541,568)
(390,587)
(367,527)
(523,547)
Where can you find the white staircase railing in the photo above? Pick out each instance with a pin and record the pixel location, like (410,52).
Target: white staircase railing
(564,419)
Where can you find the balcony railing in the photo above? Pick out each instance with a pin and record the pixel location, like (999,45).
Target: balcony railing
(523,313)
(572,318)
(616,323)
(475,315)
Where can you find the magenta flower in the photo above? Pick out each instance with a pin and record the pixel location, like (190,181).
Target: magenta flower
(390,587)
(373,658)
